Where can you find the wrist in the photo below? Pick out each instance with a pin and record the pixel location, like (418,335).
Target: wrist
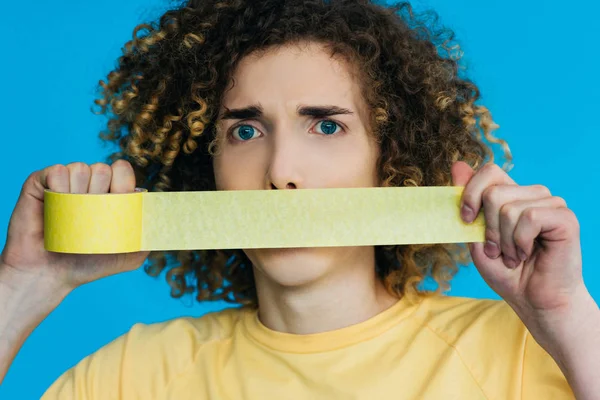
(24,303)
(29,292)
(569,333)
(573,339)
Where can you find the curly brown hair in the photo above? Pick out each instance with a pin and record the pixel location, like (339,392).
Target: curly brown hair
(163,97)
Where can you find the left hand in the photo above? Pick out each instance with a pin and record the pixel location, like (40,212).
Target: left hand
(532,253)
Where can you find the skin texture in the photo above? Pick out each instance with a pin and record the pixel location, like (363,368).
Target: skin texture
(163,101)
(307,289)
(532,253)
(532,258)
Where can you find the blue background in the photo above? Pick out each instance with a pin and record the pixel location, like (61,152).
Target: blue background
(535,63)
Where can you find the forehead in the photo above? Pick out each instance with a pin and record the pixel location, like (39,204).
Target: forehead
(297,73)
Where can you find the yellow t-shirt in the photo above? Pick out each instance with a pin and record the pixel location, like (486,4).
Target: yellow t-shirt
(442,348)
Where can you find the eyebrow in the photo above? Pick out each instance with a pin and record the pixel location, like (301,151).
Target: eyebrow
(256,111)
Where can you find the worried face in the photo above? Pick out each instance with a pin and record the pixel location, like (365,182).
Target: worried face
(294,118)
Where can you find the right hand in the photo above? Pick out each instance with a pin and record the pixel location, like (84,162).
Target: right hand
(24,252)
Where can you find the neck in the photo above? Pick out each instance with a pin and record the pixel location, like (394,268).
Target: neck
(345,296)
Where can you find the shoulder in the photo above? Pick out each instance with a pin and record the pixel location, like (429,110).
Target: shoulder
(495,346)
(485,333)
(186,332)
(179,340)
(145,359)
(457,317)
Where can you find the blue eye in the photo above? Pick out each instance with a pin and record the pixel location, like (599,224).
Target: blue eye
(328,127)
(244,132)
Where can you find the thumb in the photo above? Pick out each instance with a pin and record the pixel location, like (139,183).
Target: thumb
(461,173)
(28,215)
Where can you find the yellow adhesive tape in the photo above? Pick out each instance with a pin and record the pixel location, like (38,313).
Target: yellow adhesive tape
(243,219)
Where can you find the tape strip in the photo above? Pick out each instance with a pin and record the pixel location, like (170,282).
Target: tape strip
(121,223)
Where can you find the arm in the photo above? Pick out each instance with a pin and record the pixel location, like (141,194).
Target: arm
(24,303)
(573,341)
(532,258)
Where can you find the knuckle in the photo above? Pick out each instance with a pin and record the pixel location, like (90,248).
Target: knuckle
(57,177)
(57,171)
(509,212)
(101,169)
(572,219)
(79,168)
(490,166)
(122,168)
(542,190)
(32,178)
(530,214)
(121,163)
(491,194)
(559,201)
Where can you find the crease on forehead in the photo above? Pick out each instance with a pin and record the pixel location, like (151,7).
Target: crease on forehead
(344,65)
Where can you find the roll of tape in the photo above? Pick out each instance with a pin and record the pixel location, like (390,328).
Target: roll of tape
(243,219)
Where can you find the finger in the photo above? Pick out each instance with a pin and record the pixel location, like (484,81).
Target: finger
(54,178)
(547,224)
(101,177)
(510,214)
(24,219)
(79,177)
(487,176)
(461,173)
(494,198)
(123,177)
(494,272)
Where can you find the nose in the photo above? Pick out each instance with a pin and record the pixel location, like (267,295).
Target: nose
(285,165)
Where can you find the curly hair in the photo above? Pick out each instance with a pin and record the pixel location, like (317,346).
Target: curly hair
(162,101)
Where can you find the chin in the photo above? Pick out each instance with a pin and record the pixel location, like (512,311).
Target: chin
(293,267)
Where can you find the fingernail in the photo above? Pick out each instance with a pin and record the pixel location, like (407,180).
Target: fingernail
(467,213)
(510,263)
(491,249)
(522,254)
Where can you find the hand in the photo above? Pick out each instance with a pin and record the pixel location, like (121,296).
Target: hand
(532,253)
(24,254)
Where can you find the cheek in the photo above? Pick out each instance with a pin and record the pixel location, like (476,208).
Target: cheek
(236,171)
(225,173)
(218,172)
(352,165)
